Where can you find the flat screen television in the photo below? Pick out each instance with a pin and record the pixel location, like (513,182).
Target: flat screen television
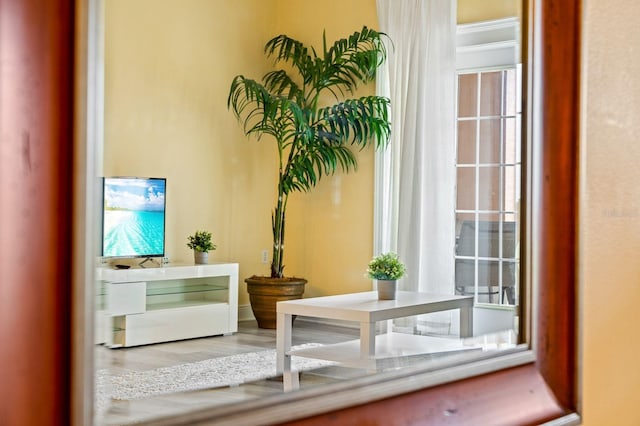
(133,217)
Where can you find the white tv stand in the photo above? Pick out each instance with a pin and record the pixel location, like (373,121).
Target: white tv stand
(173,302)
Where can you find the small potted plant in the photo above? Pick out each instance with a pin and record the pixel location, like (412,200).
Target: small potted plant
(201,243)
(386,268)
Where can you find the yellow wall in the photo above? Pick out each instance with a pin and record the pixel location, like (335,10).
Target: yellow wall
(167,76)
(330,230)
(610,206)
(485,10)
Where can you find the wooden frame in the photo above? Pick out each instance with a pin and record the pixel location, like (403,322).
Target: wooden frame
(39,384)
(36,218)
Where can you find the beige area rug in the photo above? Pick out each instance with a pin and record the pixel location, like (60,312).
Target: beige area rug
(230,370)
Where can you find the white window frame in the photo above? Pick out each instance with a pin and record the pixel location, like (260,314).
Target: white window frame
(486,47)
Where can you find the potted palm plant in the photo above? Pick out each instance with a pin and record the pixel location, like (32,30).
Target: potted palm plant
(313,138)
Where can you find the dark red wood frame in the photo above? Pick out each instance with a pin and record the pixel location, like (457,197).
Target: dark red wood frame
(36,224)
(36,219)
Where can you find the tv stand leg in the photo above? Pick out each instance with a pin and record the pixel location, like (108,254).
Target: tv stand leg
(148,259)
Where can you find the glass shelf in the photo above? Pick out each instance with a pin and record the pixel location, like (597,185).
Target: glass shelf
(183,304)
(198,288)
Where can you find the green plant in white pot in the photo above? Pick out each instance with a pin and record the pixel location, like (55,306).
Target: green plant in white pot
(386,268)
(201,243)
(302,107)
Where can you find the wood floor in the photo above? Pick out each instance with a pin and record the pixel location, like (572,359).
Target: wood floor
(249,338)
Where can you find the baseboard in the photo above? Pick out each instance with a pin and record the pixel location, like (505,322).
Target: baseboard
(245,313)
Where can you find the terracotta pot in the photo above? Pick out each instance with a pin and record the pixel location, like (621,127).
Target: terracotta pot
(265,292)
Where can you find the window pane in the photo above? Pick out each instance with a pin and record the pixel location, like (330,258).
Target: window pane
(490,141)
(489,217)
(467,142)
(489,188)
(488,273)
(466,188)
(510,282)
(518,139)
(490,93)
(489,230)
(511,182)
(465,272)
(488,281)
(511,141)
(467,95)
(488,238)
(497,281)
(465,276)
(466,236)
(512,98)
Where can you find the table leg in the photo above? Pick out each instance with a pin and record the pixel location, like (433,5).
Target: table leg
(368,344)
(384,327)
(290,378)
(291,381)
(466,321)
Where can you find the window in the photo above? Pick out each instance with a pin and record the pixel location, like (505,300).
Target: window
(488,161)
(488,185)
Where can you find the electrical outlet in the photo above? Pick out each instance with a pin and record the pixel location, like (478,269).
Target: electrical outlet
(265,256)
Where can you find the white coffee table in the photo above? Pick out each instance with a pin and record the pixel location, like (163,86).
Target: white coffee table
(366,309)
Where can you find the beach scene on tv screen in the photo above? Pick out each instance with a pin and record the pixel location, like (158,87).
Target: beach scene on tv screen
(134,212)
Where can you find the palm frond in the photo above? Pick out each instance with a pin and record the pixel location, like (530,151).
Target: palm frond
(292,51)
(316,159)
(357,58)
(261,112)
(280,83)
(358,121)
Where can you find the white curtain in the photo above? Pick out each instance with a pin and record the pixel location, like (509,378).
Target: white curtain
(415,175)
